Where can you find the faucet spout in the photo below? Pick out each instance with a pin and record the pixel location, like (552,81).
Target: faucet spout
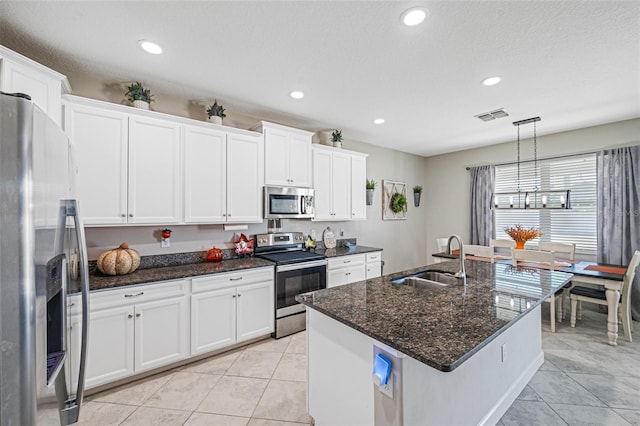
(461,273)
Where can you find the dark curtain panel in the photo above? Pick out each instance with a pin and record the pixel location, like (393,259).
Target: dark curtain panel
(618,173)
(482,221)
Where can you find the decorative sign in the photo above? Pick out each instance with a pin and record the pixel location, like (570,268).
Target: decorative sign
(394,200)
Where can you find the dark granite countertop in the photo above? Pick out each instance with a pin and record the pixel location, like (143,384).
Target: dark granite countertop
(99,281)
(441,328)
(343,251)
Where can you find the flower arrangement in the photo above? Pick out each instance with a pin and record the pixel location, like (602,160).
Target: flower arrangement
(518,233)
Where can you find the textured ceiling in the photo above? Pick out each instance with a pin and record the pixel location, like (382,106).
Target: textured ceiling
(573,63)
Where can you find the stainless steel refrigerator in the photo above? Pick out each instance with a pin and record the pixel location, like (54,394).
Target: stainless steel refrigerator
(42,260)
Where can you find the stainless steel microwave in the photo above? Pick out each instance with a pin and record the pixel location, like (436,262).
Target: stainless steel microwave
(288,203)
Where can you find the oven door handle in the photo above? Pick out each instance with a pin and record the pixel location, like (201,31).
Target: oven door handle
(301,265)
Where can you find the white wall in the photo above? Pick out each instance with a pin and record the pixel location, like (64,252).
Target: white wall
(448,183)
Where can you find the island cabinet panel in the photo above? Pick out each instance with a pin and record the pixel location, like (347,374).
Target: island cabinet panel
(205,175)
(287,156)
(154,171)
(136,328)
(101,142)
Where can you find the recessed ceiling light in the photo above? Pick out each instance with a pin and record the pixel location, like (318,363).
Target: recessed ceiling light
(490,81)
(150,47)
(296,94)
(378,121)
(414,16)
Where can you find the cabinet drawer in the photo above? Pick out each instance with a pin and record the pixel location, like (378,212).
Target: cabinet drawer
(134,294)
(346,261)
(231,279)
(374,257)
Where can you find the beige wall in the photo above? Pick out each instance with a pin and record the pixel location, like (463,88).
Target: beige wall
(448,182)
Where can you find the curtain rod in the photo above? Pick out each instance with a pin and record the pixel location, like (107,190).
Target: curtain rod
(539,159)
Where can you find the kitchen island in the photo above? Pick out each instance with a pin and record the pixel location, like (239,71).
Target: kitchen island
(460,354)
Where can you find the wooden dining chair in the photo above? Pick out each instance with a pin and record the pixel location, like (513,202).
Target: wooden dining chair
(479,251)
(581,294)
(563,251)
(545,258)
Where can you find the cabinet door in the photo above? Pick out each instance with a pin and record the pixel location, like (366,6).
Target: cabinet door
(154,171)
(322,184)
(300,160)
(255,315)
(74,339)
(358,187)
(45,91)
(337,277)
(341,186)
(99,139)
(276,157)
(110,345)
(213,320)
(357,273)
(244,184)
(162,328)
(374,270)
(205,176)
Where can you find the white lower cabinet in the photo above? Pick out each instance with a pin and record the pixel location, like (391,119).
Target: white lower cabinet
(231,307)
(135,329)
(374,264)
(353,268)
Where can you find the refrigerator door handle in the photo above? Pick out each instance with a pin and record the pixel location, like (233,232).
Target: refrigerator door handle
(72,409)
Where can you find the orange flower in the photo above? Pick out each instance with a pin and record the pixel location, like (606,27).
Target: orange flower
(518,233)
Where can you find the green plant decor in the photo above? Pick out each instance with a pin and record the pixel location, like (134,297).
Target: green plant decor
(371,184)
(398,202)
(137,92)
(336,136)
(417,189)
(216,110)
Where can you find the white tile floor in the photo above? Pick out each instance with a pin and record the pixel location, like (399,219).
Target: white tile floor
(583,381)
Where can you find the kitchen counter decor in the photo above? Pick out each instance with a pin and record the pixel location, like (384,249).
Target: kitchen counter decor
(521,235)
(119,261)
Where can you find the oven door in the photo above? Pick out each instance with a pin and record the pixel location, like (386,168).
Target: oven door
(295,279)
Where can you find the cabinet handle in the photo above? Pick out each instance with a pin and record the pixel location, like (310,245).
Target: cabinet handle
(346,261)
(348,273)
(70,305)
(229,214)
(235,279)
(239,294)
(129,316)
(138,315)
(224,215)
(233,295)
(134,295)
(123,215)
(353,214)
(130,214)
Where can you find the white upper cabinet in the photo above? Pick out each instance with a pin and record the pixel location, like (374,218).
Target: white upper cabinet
(100,141)
(244,178)
(205,175)
(19,74)
(337,173)
(154,171)
(287,156)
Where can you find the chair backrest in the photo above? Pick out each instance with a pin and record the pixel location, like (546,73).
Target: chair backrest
(503,243)
(569,249)
(545,257)
(480,251)
(628,277)
(442,244)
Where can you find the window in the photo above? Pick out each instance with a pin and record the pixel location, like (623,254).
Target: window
(577,225)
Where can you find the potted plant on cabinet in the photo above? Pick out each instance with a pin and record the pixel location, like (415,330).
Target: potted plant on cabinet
(371,185)
(336,138)
(138,95)
(215,113)
(417,191)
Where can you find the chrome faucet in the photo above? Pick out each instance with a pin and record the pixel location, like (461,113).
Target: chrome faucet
(461,273)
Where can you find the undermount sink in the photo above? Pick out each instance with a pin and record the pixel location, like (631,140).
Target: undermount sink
(428,279)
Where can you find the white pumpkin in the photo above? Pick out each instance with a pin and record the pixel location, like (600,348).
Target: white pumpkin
(119,261)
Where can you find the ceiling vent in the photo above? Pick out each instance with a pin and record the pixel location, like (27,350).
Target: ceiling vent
(492,115)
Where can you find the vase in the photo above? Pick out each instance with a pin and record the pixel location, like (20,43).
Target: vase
(141,104)
(416,198)
(337,144)
(369,197)
(520,245)
(215,119)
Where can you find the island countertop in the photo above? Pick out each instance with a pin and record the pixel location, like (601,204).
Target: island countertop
(444,327)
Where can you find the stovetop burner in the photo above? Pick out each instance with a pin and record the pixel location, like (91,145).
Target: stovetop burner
(288,257)
(284,248)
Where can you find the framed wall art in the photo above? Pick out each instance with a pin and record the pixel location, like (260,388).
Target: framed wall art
(394,200)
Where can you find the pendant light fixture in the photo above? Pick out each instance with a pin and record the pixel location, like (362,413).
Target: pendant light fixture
(534,199)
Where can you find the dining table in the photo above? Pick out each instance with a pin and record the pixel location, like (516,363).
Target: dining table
(611,277)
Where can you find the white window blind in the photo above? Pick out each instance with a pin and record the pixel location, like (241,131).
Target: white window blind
(576,225)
